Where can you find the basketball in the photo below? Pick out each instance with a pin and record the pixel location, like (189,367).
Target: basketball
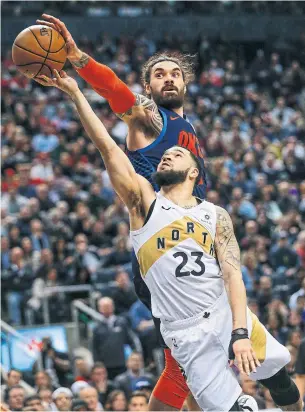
(39,49)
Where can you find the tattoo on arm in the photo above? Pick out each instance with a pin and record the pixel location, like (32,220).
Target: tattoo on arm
(153,117)
(226,244)
(82,62)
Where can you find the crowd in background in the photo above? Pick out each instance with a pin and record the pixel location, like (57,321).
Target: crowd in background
(153,8)
(62,223)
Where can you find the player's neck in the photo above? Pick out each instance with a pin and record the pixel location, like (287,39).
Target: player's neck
(179,111)
(179,194)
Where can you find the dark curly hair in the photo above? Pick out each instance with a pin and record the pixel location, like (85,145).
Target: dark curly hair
(186,62)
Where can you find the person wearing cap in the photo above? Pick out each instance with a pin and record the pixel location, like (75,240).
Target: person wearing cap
(138,402)
(135,372)
(79,405)
(146,386)
(62,398)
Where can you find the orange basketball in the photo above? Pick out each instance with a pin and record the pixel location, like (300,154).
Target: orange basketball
(39,49)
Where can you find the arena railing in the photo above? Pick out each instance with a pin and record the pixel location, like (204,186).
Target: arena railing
(78,306)
(67,290)
(23,344)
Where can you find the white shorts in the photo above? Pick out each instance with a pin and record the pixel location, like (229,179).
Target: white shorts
(200,345)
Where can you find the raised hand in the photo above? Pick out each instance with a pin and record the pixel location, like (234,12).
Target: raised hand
(60,80)
(73,52)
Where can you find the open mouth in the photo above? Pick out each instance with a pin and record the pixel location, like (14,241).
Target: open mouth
(170,89)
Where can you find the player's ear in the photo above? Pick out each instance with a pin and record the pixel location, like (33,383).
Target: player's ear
(147,89)
(185,89)
(194,173)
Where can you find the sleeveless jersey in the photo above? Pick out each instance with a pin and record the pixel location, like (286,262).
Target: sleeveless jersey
(176,131)
(175,251)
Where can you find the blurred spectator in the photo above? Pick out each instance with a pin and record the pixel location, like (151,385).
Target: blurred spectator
(79,405)
(14,377)
(39,238)
(42,169)
(124,295)
(294,297)
(143,324)
(55,363)
(99,380)
(90,396)
(116,401)
(12,202)
(282,256)
(110,337)
(62,398)
(81,369)
(45,141)
(42,381)
(120,255)
(46,397)
(33,403)
(16,396)
(138,402)
(135,372)
(16,280)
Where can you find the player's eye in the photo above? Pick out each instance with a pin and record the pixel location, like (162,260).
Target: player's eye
(176,74)
(159,75)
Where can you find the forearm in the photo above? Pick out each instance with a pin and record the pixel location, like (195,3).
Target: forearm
(121,172)
(228,255)
(238,300)
(106,83)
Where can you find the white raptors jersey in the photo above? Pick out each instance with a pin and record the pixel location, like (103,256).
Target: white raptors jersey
(175,251)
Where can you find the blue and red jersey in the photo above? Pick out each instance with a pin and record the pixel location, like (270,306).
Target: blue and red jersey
(176,131)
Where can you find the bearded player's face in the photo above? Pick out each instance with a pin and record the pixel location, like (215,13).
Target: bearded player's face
(167,87)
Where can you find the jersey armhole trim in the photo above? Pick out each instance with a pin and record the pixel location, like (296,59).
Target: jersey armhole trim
(150,211)
(160,137)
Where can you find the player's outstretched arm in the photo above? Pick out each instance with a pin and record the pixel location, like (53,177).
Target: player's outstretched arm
(105,82)
(228,255)
(134,190)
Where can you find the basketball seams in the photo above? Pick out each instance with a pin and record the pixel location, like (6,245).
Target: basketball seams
(36,54)
(56,51)
(43,63)
(29,64)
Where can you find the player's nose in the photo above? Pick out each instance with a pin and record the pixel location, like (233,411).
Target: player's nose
(168,79)
(167,157)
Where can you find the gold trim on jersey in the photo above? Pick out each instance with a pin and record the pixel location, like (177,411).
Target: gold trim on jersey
(258,339)
(170,236)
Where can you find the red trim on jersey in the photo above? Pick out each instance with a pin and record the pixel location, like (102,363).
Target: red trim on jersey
(107,84)
(171,387)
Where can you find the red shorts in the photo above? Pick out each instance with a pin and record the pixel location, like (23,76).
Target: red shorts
(171,387)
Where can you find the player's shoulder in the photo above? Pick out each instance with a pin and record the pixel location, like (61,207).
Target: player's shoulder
(222,216)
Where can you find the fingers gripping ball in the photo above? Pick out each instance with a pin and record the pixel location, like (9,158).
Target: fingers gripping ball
(39,49)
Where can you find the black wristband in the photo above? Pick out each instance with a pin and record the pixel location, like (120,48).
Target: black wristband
(240,332)
(237,334)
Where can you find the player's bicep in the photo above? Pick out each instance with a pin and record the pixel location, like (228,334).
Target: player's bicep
(146,111)
(226,246)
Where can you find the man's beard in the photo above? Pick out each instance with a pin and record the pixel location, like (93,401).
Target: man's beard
(169,177)
(169,101)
